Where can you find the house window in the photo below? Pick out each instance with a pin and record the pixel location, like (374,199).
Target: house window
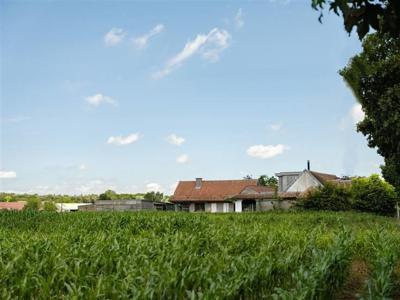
(199,207)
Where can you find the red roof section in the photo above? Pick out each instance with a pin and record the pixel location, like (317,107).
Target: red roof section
(323,177)
(12,205)
(257,192)
(210,190)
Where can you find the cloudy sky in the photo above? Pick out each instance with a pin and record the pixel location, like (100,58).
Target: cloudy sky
(135,96)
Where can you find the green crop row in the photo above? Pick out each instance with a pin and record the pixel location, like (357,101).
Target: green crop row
(189,256)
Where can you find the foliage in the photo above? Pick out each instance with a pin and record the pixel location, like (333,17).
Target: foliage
(49,206)
(248,177)
(45,198)
(380,15)
(154,196)
(185,256)
(372,194)
(365,194)
(108,195)
(33,203)
(328,197)
(374,77)
(265,180)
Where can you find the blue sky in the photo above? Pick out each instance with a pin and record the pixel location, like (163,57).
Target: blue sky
(135,96)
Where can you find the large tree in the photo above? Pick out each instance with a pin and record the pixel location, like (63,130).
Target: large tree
(374,77)
(381,15)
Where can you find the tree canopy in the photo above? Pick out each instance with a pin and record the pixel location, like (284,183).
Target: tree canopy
(265,180)
(374,77)
(380,15)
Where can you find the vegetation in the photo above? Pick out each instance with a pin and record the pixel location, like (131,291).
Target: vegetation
(107,195)
(374,77)
(371,194)
(265,180)
(49,206)
(33,204)
(329,197)
(277,255)
(381,15)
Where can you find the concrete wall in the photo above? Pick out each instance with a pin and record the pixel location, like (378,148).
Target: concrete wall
(285,181)
(304,182)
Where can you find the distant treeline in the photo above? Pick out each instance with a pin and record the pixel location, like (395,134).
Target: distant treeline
(107,195)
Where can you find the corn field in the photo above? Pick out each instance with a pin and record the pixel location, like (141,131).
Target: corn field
(277,255)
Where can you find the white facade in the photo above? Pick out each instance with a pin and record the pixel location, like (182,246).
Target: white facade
(238,206)
(304,182)
(68,207)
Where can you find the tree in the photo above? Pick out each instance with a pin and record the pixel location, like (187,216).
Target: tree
(265,180)
(154,196)
(108,195)
(380,15)
(248,177)
(372,194)
(374,77)
(33,203)
(49,206)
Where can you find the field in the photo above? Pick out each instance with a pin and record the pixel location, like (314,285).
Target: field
(277,255)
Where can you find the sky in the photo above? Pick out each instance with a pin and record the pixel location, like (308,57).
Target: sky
(134,95)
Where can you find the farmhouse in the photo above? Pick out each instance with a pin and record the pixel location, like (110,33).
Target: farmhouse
(246,195)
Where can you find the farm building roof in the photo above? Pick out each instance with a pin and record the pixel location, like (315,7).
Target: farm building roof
(323,177)
(256,192)
(12,205)
(210,190)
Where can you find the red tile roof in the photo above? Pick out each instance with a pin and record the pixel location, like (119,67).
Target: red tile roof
(257,192)
(323,177)
(12,205)
(211,190)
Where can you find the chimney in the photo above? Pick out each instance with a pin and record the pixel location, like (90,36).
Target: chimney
(199,182)
(308,165)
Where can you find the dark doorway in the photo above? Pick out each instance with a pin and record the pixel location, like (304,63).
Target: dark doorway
(249,205)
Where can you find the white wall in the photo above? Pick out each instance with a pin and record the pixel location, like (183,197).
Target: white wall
(238,206)
(304,182)
(69,206)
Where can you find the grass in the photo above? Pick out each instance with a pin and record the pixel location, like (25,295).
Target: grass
(276,255)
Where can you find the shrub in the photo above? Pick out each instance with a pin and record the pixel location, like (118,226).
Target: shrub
(373,194)
(328,197)
(49,206)
(33,203)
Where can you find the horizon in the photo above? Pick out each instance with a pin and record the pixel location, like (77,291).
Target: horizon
(135,96)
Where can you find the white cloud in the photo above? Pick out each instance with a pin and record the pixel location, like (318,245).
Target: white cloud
(153,187)
(98,99)
(182,159)
(82,167)
(141,41)
(275,127)
(114,37)
(7,174)
(266,151)
(175,140)
(357,114)
(239,22)
(123,140)
(208,45)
